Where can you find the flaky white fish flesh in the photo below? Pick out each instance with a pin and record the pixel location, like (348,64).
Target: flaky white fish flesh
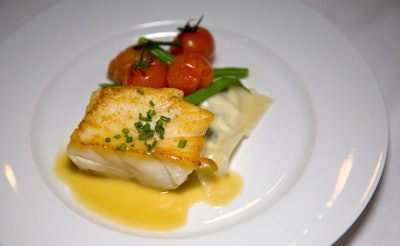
(145,134)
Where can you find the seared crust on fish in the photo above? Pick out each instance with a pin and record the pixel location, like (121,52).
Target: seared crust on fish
(149,135)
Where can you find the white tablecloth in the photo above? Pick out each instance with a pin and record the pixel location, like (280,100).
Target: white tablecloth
(374,27)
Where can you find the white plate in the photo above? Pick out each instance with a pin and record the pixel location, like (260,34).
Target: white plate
(310,166)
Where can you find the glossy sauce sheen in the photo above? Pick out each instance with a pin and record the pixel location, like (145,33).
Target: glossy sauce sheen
(133,205)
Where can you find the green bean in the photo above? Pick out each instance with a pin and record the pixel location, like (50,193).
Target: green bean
(161,54)
(240,72)
(154,48)
(217,86)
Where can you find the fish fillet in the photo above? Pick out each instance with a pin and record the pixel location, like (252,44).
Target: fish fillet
(145,134)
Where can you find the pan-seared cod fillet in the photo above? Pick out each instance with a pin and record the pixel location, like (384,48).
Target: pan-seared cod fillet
(149,135)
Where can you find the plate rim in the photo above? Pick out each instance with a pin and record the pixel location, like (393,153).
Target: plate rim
(385,138)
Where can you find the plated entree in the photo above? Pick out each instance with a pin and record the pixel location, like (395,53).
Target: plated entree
(167,113)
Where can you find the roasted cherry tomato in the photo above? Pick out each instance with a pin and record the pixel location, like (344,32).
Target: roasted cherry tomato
(137,68)
(189,72)
(194,39)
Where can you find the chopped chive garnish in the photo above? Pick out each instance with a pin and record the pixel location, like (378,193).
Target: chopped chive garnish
(108,140)
(151,113)
(138,125)
(144,118)
(140,91)
(159,122)
(126,132)
(165,119)
(151,146)
(146,127)
(121,147)
(129,139)
(146,131)
(182,143)
(117,136)
(160,129)
(152,103)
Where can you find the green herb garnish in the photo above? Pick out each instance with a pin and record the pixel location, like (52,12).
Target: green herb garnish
(217,86)
(182,143)
(121,147)
(129,139)
(165,119)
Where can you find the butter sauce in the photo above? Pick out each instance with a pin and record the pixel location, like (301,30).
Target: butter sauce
(130,204)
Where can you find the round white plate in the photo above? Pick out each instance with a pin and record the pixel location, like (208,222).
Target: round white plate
(310,167)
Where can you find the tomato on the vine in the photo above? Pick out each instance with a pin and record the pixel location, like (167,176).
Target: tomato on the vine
(189,72)
(194,39)
(137,68)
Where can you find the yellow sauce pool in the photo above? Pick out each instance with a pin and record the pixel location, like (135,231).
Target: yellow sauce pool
(133,205)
